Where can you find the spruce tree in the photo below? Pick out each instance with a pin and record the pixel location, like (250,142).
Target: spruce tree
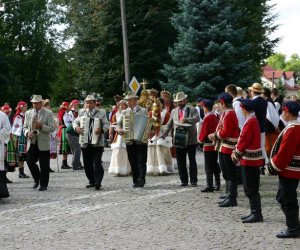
(210,48)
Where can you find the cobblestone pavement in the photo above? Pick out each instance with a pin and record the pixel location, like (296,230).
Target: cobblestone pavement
(160,216)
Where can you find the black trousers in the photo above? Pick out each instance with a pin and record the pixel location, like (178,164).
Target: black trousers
(251,179)
(181,153)
(229,174)
(287,193)
(137,156)
(39,174)
(93,164)
(211,166)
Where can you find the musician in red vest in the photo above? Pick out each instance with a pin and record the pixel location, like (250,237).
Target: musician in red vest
(211,164)
(225,139)
(248,153)
(285,162)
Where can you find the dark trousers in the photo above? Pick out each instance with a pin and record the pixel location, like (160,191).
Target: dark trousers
(251,179)
(75,149)
(181,153)
(211,166)
(92,164)
(39,174)
(287,198)
(229,174)
(137,156)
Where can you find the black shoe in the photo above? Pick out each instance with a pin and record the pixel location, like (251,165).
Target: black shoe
(135,185)
(23,175)
(289,233)
(90,186)
(224,196)
(65,167)
(194,184)
(207,189)
(183,184)
(77,168)
(253,218)
(42,188)
(245,216)
(141,182)
(97,186)
(7,180)
(51,170)
(228,203)
(36,184)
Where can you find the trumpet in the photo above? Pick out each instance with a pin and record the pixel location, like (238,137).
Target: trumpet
(35,132)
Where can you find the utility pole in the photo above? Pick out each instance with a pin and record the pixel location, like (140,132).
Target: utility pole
(125,43)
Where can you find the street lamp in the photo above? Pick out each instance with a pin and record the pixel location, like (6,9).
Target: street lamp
(125,43)
(273,76)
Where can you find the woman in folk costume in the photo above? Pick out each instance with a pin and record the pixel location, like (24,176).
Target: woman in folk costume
(159,160)
(20,140)
(10,156)
(63,145)
(4,137)
(119,163)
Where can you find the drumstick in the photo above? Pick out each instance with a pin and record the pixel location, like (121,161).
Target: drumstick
(151,141)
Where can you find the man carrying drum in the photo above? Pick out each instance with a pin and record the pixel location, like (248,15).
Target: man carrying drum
(184,118)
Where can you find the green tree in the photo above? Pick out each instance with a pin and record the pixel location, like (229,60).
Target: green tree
(212,46)
(277,61)
(293,64)
(98,49)
(29,49)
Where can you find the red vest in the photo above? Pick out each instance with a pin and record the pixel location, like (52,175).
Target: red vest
(248,148)
(285,154)
(227,132)
(209,126)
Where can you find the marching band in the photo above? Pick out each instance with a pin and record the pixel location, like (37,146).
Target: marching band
(147,130)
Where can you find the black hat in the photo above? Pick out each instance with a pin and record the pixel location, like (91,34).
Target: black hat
(208,103)
(225,98)
(247,104)
(292,107)
(199,99)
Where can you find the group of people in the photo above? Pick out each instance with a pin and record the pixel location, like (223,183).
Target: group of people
(242,137)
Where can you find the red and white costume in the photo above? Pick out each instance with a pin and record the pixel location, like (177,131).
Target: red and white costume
(227,132)
(248,149)
(209,125)
(285,154)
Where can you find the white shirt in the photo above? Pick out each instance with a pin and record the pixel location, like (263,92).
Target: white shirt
(236,104)
(17,125)
(272,115)
(4,136)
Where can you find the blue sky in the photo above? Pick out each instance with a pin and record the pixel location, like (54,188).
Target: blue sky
(289,21)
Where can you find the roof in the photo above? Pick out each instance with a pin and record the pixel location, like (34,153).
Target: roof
(269,73)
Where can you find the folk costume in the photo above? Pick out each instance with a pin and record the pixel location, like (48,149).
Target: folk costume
(159,160)
(92,153)
(225,137)
(190,116)
(211,164)
(285,162)
(249,155)
(63,144)
(4,137)
(39,148)
(119,163)
(20,140)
